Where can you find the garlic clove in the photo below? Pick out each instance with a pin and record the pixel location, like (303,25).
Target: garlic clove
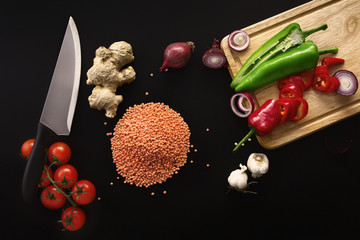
(258,164)
(238,179)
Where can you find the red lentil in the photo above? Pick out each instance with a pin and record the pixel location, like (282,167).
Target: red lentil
(149,144)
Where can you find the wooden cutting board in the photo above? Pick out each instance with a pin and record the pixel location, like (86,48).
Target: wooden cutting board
(343,19)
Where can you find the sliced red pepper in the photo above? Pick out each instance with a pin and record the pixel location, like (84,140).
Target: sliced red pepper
(306,78)
(288,109)
(302,109)
(331,61)
(321,70)
(294,79)
(291,90)
(334,84)
(322,82)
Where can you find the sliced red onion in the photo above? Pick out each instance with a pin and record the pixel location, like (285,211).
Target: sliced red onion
(214,57)
(214,60)
(348,82)
(238,107)
(249,102)
(238,40)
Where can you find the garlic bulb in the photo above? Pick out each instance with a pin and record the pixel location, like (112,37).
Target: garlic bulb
(238,178)
(258,164)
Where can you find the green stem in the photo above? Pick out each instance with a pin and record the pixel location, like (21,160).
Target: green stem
(57,188)
(328,50)
(250,133)
(311,31)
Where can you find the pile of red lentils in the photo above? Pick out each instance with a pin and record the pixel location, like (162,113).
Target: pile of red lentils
(149,144)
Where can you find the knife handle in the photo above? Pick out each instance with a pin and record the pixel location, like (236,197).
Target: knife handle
(36,162)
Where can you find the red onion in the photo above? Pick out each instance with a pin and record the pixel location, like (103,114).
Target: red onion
(238,106)
(348,82)
(214,57)
(177,55)
(238,40)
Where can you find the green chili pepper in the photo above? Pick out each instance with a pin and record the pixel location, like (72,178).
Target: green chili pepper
(295,60)
(289,37)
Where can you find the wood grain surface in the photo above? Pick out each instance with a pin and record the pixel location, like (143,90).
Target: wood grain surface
(343,19)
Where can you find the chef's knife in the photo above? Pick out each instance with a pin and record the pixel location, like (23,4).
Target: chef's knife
(58,110)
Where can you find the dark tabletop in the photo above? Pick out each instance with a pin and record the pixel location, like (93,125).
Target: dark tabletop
(308,193)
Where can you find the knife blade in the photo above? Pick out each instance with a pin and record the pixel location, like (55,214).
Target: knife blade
(58,111)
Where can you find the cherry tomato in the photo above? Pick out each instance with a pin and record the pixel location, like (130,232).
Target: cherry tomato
(52,199)
(84,192)
(27,147)
(44,181)
(73,218)
(66,175)
(59,151)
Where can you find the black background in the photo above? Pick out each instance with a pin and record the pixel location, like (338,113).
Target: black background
(308,192)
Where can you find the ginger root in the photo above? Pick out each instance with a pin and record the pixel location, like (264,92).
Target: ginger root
(106,74)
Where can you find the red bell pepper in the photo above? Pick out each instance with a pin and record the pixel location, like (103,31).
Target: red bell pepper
(263,120)
(321,82)
(291,90)
(331,61)
(306,78)
(293,79)
(321,70)
(334,84)
(325,83)
(302,109)
(289,108)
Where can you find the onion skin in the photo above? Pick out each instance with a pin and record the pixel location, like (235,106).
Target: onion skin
(177,55)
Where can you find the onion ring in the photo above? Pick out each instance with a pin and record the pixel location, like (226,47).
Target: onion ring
(238,106)
(348,82)
(239,40)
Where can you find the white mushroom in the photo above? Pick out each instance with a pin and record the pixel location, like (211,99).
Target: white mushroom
(258,164)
